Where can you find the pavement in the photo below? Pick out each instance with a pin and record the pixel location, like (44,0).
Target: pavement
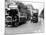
(27,28)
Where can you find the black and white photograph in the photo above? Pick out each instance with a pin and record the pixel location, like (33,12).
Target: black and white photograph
(24,17)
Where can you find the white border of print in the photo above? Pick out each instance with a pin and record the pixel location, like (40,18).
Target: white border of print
(2,17)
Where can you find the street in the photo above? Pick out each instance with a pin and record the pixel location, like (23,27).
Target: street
(27,28)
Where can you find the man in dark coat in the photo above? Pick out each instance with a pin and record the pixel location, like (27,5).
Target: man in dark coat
(13,13)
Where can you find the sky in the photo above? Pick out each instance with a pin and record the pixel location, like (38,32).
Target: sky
(37,4)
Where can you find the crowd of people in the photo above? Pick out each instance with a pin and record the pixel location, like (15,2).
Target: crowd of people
(21,8)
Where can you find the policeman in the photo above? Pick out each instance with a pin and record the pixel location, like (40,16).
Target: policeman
(13,13)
